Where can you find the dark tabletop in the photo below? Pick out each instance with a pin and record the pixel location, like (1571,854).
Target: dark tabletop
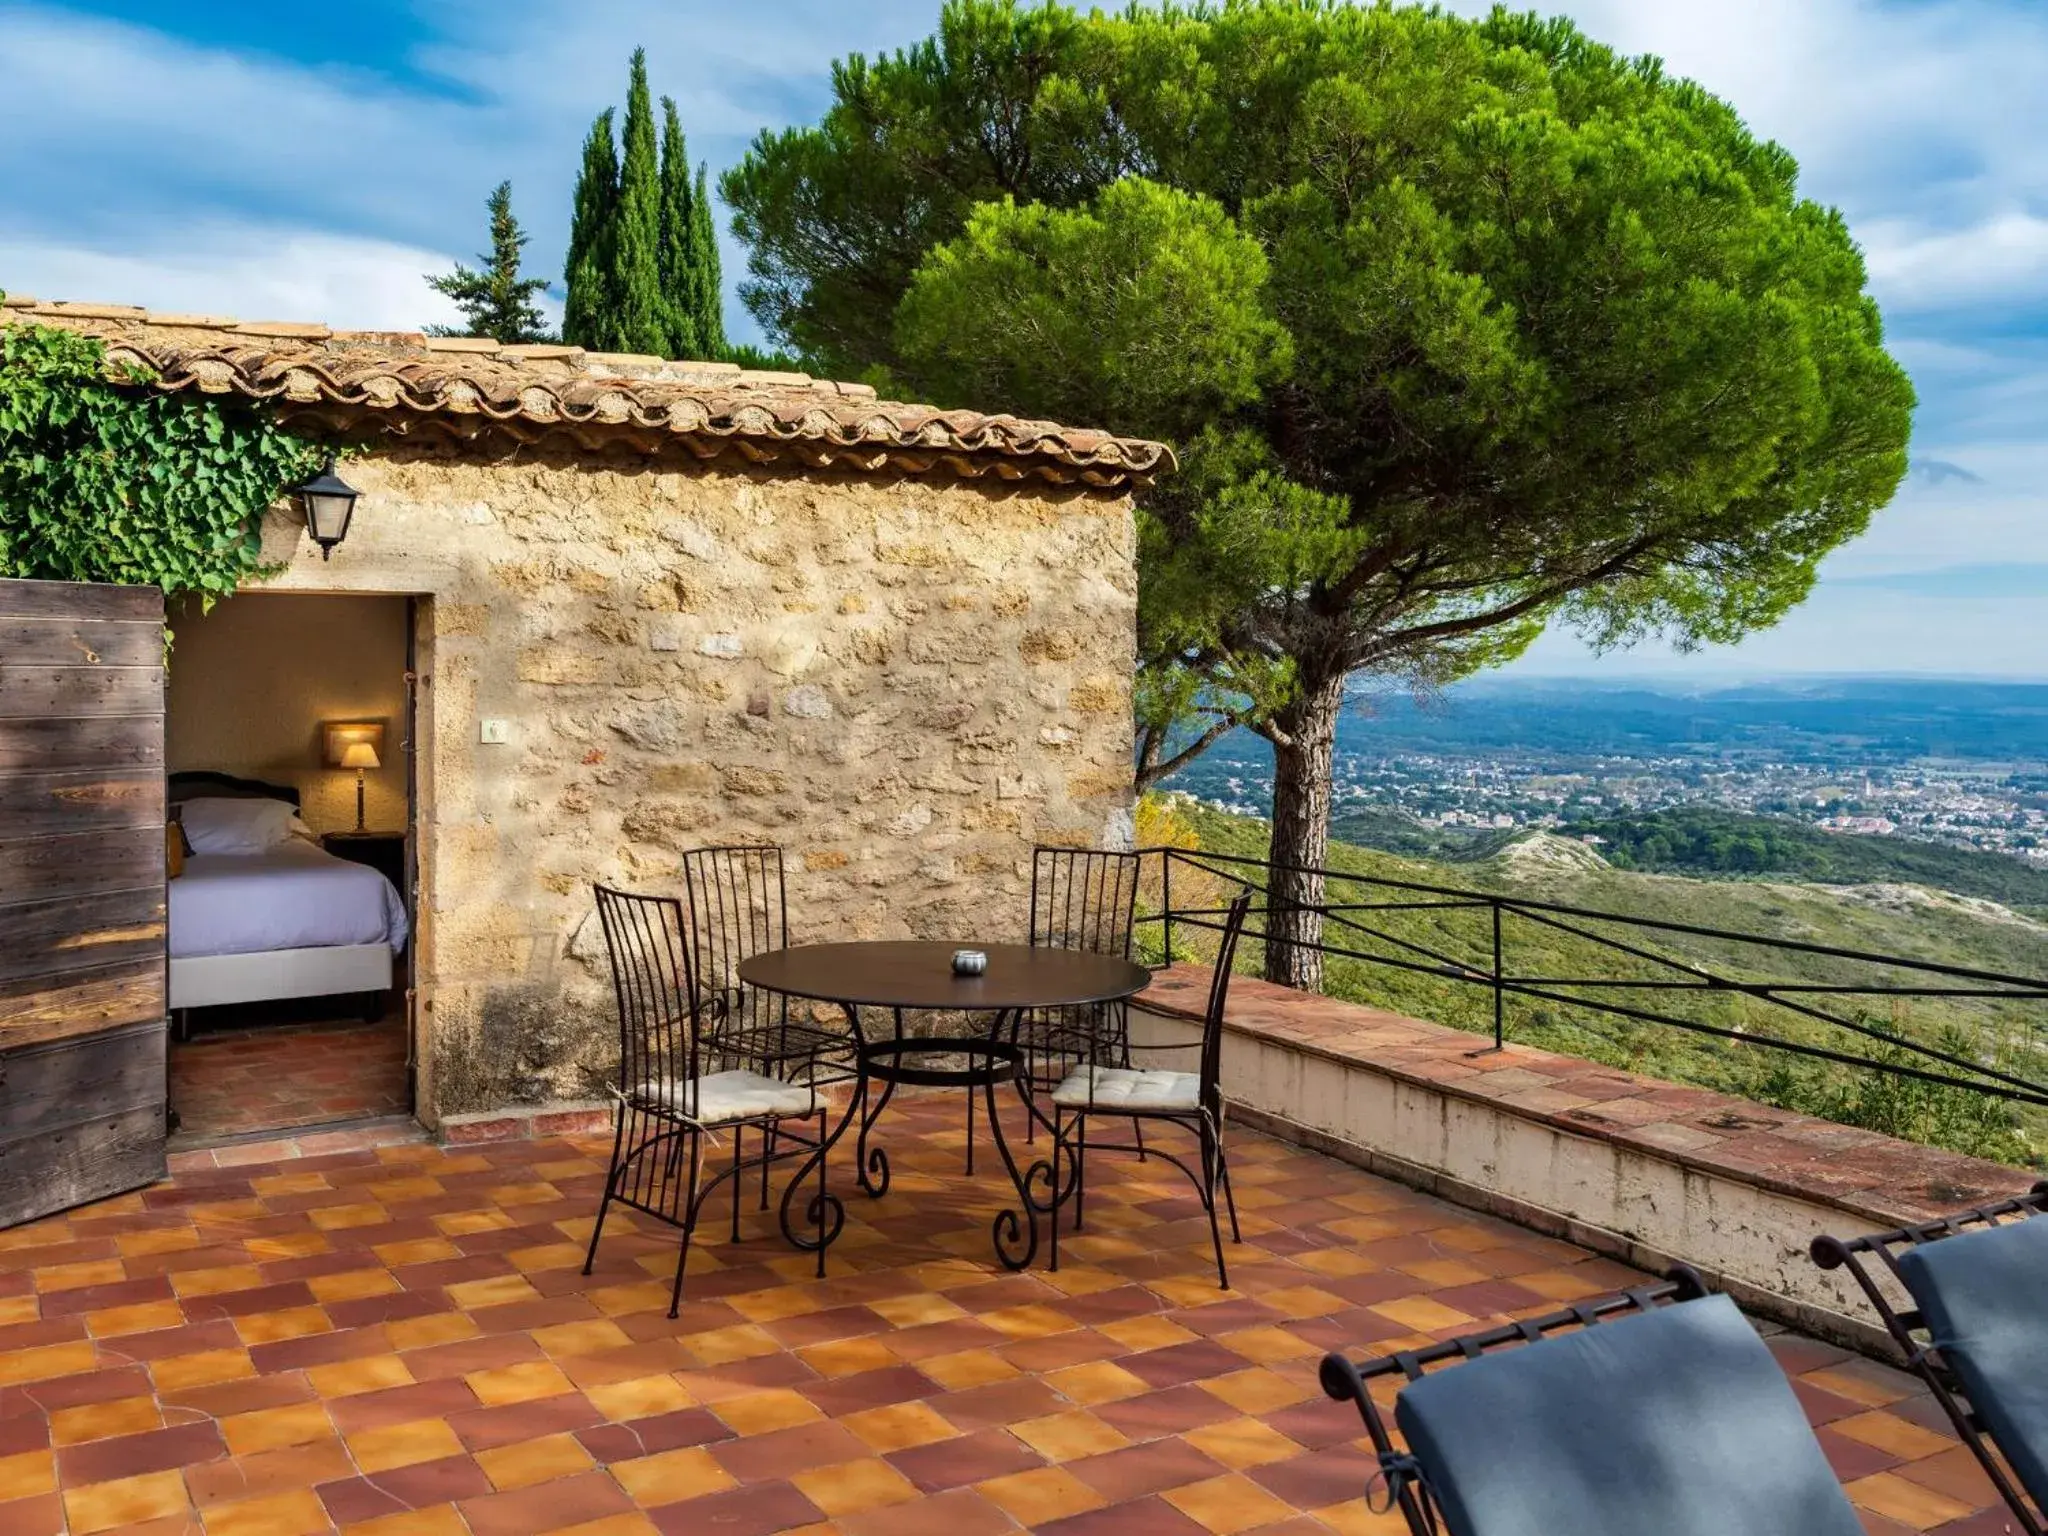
(918,973)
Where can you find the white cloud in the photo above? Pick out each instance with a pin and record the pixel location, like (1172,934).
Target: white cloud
(2002,260)
(246,271)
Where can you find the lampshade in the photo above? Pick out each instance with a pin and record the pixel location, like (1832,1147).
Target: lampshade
(353,743)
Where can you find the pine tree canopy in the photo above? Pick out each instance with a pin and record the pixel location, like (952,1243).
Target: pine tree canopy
(495,301)
(1463,328)
(643,247)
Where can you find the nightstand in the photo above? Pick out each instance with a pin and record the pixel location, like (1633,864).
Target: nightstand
(382,851)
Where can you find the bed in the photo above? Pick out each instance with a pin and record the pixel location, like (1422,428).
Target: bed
(284,920)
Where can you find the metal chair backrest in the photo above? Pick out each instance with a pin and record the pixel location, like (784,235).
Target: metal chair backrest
(1219,994)
(646,940)
(738,908)
(1084,898)
(1957,1385)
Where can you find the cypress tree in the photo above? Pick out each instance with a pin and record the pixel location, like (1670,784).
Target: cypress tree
(588,310)
(707,286)
(677,288)
(638,319)
(643,250)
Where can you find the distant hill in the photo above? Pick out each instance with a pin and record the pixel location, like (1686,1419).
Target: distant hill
(1701,840)
(1705,842)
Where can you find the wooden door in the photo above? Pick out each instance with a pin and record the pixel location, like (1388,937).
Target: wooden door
(82,901)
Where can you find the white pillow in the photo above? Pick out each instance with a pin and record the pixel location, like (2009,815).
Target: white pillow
(235,826)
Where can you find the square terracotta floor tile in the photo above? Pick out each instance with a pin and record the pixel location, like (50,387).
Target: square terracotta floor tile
(124,1502)
(1041,1495)
(855,1486)
(900,1426)
(527,1462)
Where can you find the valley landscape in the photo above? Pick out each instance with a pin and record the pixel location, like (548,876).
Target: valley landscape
(1708,810)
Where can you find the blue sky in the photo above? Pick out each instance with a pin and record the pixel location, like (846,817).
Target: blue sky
(312,161)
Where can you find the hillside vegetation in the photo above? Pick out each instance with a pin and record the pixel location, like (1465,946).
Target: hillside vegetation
(1888,918)
(1709,842)
(1703,840)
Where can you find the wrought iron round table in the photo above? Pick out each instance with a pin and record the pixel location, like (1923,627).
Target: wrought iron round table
(916,976)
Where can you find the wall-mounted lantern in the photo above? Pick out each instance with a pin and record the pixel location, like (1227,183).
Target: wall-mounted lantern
(329,502)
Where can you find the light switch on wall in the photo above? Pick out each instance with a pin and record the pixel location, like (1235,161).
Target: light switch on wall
(494,733)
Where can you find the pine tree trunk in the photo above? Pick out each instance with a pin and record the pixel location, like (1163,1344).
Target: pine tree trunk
(1301,834)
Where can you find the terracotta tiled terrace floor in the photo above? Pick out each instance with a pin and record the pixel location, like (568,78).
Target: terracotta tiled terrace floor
(399,1340)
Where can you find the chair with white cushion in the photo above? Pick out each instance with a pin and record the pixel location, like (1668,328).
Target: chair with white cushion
(1193,1100)
(682,1083)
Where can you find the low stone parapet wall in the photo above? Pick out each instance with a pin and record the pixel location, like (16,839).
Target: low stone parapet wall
(1642,1170)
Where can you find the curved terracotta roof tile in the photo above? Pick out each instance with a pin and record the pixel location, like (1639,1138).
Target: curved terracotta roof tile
(462,387)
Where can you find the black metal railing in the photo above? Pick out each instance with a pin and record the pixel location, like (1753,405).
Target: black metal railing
(1467,937)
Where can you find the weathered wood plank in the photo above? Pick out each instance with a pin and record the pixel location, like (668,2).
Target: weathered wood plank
(88,1161)
(37,691)
(38,1010)
(51,868)
(51,938)
(81,643)
(82,894)
(78,600)
(79,800)
(46,1087)
(133,741)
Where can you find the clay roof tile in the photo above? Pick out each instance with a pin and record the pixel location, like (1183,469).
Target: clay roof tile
(403,382)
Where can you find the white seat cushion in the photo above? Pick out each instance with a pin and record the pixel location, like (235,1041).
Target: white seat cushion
(1128,1090)
(723,1097)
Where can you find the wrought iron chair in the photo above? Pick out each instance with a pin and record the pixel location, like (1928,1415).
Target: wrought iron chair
(738,908)
(683,1079)
(1977,1332)
(1081,898)
(1192,1100)
(1670,1416)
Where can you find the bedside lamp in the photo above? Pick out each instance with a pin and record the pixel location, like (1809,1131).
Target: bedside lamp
(355,746)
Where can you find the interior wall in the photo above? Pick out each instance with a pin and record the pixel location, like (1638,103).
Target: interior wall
(252,682)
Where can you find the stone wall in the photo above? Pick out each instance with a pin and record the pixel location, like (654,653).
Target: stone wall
(904,682)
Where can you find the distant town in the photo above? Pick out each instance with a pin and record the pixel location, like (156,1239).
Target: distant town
(1864,759)
(1991,811)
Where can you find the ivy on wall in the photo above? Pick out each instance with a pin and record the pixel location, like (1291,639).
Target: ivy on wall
(104,483)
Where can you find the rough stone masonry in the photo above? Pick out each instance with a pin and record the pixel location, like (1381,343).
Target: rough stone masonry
(906,682)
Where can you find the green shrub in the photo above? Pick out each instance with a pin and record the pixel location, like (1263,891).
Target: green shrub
(101,482)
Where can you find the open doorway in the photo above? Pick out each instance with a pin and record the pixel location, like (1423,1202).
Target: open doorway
(289,757)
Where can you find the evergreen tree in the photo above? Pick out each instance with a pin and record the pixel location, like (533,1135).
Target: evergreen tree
(677,288)
(707,286)
(643,252)
(495,301)
(1462,328)
(638,320)
(586,316)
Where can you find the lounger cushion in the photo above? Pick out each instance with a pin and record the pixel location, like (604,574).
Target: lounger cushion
(1129,1090)
(1676,1422)
(720,1098)
(1984,1294)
